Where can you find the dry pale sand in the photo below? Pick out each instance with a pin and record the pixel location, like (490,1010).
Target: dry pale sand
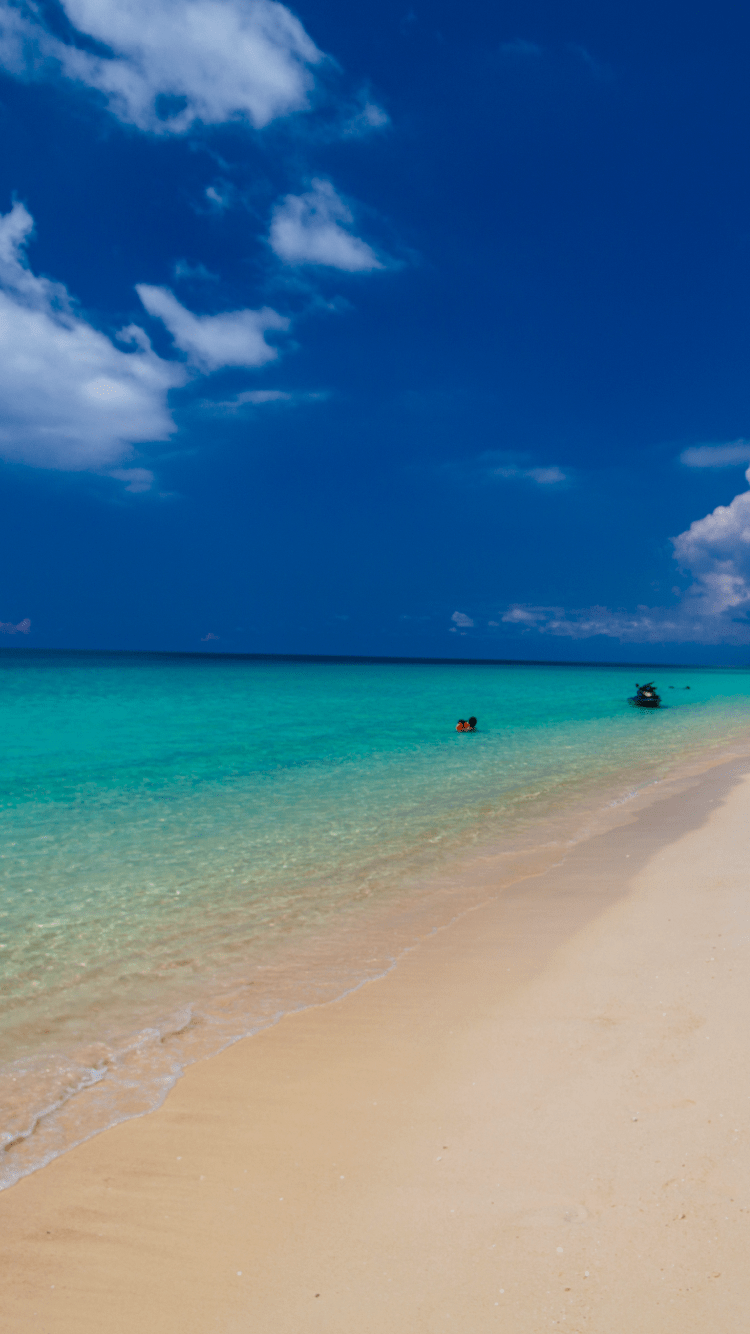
(540,1118)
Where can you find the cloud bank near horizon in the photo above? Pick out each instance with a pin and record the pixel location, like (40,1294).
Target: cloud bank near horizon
(714,609)
(8,628)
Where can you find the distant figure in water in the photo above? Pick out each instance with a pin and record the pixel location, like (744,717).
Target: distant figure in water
(463,726)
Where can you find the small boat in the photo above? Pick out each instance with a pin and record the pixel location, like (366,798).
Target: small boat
(645,697)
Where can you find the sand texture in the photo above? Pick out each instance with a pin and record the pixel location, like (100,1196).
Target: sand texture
(540,1118)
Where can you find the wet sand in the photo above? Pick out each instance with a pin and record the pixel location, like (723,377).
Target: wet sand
(540,1118)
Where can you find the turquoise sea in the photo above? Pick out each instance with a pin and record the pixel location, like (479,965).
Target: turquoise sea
(192,846)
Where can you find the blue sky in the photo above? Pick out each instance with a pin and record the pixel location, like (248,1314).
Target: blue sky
(375,329)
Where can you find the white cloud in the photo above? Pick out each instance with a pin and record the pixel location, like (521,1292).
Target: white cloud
(71,399)
(173,62)
(369,117)
(234,338)
(258,398)
(543,476)
(136,479)
(312,229)
(717,456)
(461,620)
(716,551)
(8,628)
(68,397)
(249,398)
(715,609)
(184,271)
(220,196)
(530,616)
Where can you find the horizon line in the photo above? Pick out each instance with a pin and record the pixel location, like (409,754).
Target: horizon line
(372,658)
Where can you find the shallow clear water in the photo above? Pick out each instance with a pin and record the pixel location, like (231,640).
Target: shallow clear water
(187,844)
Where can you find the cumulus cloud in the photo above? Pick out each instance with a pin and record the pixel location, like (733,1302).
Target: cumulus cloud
(717,456)
(313,229)
(71,399)
(234,338)
(461,620)
(8,628)
(716,551)
(165,64)
(715,608)
(68,397)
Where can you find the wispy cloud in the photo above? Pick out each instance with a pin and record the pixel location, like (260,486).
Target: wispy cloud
(461,620)
(184,271)
(368,117)
(595,66)
(717,456)
(162,65)
(259,398)
(233,338)
(220,196)
(548,476)
(313,228)
(136,479)
(255,397)
(8,628)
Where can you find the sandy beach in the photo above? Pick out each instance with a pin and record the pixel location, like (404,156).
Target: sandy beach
(540,1117)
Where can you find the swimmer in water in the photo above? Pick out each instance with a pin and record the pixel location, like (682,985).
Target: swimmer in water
(463,726)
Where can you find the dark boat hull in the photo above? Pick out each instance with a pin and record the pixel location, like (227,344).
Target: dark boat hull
(637,703)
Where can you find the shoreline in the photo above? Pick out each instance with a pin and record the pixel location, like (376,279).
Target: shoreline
(137,1068)
(345,1151)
